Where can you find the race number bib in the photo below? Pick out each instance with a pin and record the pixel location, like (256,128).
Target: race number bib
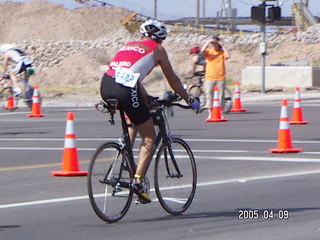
(126,77)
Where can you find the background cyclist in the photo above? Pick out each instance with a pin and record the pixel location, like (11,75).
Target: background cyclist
(197,65)
(20,61)
(130,65)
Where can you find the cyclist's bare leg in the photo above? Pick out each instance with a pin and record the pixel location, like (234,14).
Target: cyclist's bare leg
(147,133)
(132,132)
(13,78)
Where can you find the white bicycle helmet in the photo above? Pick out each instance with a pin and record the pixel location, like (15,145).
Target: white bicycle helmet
(6,47)
(153,29)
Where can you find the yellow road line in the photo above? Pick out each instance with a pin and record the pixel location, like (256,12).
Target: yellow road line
(6,169)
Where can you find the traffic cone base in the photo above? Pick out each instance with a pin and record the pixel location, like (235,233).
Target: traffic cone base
(35,115)
(216,120)
(289,150)
(69,173)
(239,110)
(299,122)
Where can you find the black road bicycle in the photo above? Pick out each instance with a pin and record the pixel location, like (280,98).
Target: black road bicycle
(27,92)
(196,90)
(112,168)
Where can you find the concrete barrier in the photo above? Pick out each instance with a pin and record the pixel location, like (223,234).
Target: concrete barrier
(282,76)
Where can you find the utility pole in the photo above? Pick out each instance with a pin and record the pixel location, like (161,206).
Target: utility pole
(203,8)
(155,11)
(263,52)
(258,13)
(197,12)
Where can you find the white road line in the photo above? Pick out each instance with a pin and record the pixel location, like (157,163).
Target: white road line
(246,179)
(92,149)
(40,148)
(267,159)
(57,139)
(193,150)
(204,184)
(40,202)
(138,139)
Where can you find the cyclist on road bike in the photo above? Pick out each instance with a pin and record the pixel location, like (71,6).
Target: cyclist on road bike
(20,60)
(131,64)
(196,68)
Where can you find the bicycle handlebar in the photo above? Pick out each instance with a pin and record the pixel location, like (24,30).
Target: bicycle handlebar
(111,105)
(167,103)
(169,99)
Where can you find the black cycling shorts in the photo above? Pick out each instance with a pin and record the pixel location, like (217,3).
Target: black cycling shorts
(21,67)
(130,99)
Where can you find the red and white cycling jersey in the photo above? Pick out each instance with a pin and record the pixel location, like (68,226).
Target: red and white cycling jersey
(137,56)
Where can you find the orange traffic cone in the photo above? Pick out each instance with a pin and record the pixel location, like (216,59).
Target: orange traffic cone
(216,115)
(297,109)
(237,107)
(10,103)
(36,111)
(284,138)
(70,165)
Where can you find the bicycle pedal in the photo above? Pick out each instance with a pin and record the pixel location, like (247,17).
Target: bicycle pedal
(140,202)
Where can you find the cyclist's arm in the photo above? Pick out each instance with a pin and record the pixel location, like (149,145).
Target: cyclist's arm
(194,61)
(174,81)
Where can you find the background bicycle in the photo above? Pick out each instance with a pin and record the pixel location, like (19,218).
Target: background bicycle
(26,94)
(196,90)
(112,168)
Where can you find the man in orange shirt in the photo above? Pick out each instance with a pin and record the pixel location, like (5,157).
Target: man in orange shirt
(215,72)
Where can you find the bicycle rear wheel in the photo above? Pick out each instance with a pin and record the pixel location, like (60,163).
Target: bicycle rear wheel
(175,176)
(108,183)
(227,100)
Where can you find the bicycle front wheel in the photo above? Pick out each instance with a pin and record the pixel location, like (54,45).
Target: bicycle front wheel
(108,183)
(195,90)
(175,176)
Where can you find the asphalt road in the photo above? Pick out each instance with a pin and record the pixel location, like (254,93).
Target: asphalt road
(244,191)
